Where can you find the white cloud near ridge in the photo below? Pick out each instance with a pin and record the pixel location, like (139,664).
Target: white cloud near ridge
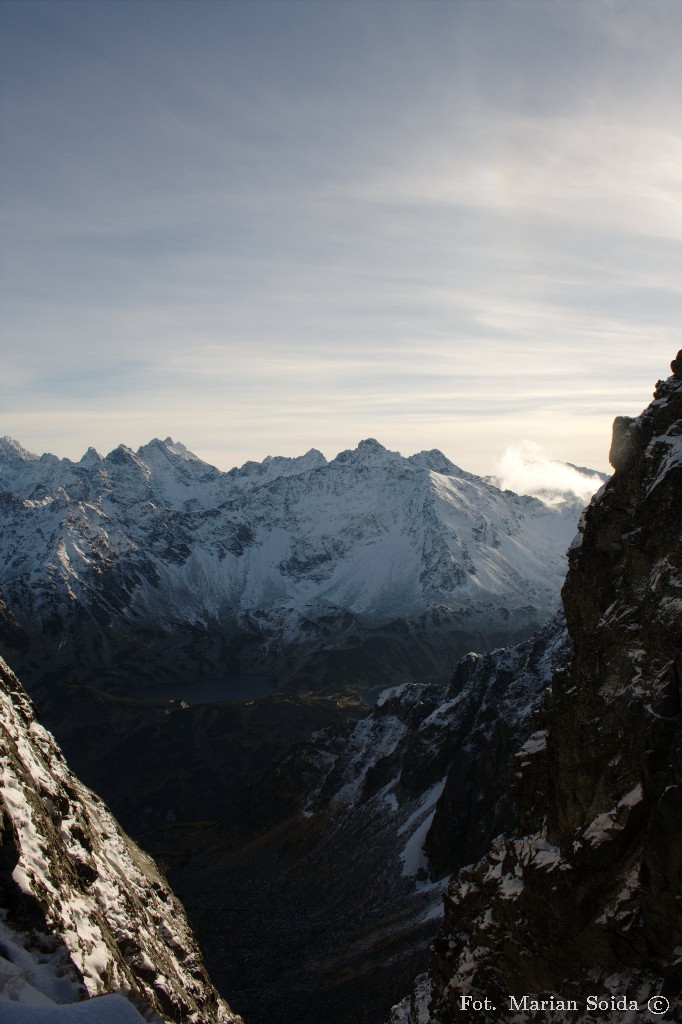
(527,468)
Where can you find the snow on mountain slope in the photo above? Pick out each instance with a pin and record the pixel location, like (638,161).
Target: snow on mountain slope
(84,911)
(158,537)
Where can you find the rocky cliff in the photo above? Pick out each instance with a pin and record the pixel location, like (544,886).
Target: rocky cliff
(585,898)
(84,911)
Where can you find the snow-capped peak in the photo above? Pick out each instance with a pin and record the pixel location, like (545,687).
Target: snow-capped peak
(12,450)
(91,458)
(368,452)
(275,466)
(435,461)
(168,447)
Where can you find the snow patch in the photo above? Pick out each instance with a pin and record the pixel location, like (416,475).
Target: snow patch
(413,856)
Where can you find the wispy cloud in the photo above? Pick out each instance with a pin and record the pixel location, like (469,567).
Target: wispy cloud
(280,225)
(592,170)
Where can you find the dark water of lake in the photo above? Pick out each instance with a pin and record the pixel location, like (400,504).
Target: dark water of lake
(211,691)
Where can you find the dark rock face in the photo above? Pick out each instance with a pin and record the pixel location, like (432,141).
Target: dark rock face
(498,697)
(12,636)
(676,366)
(586,898)
(78,890)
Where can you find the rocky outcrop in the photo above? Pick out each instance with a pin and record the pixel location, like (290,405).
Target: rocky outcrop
(584,900)
(492,710)
(85,911)
(12,636)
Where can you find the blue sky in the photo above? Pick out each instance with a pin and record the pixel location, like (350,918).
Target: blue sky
(268,225)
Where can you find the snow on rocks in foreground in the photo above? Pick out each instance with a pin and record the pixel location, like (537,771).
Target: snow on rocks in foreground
(86,913)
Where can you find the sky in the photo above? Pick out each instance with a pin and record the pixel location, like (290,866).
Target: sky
(261,226)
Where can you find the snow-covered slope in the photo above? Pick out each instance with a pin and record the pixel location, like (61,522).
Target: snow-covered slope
(289,551)
(83,911)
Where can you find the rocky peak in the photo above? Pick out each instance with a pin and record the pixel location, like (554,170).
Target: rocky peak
(435,461)
(13,451)
(313,458)
(168,448)
(91,457)
(676,366)
(123,456)
(367,452)
(632,435)
(622,598)
(273,467)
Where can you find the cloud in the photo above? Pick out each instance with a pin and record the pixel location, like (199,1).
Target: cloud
(527,468)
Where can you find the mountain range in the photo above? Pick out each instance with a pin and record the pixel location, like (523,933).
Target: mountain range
(358,571)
